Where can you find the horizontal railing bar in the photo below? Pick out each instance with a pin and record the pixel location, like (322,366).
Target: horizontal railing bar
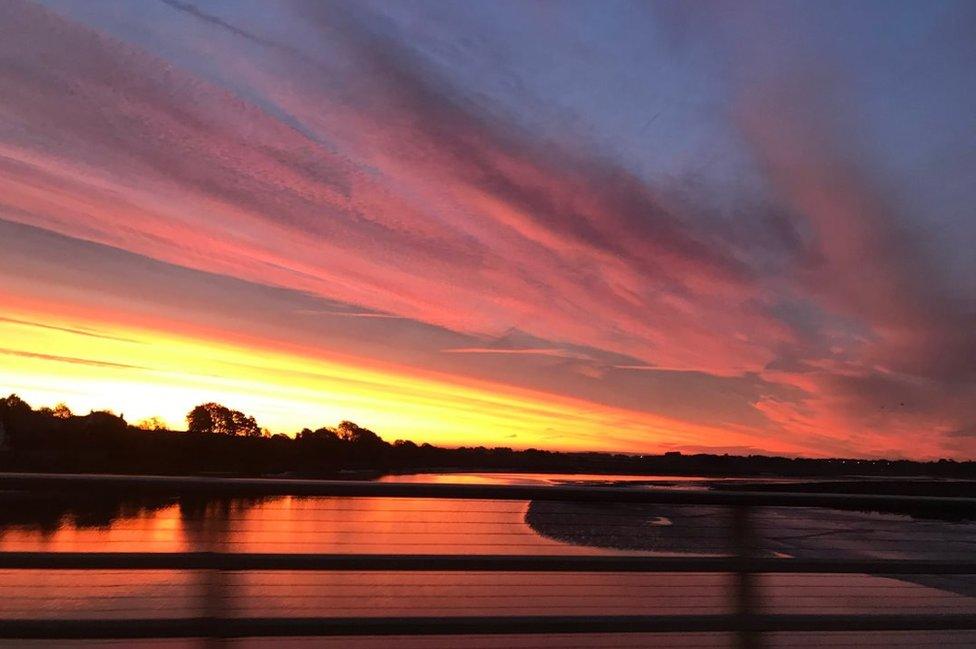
(467,563)
(450,625)
(254,487)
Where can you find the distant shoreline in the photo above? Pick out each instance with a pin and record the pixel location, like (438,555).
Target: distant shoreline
(57,441)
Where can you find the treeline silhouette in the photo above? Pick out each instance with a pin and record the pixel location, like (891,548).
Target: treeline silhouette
(219,440)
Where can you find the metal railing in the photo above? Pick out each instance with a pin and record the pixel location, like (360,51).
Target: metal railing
(744,564)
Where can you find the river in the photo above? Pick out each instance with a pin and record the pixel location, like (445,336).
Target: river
(424,526)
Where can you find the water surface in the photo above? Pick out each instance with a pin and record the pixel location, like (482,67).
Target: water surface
(436,526)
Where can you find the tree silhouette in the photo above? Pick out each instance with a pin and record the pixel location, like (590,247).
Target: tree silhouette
(242,424)
(14,411)
(220,420)
(15,404)
(201,419)
(151,423)
(356,434)
(324,434)
(61,411)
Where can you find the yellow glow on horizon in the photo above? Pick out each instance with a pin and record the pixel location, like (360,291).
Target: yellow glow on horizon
(142,372)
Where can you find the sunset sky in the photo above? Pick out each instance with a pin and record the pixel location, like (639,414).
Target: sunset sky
(734,226)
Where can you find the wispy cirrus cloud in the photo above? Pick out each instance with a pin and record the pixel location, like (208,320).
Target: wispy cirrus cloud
(349,314)
(69,359)
(541,351)
(71,330)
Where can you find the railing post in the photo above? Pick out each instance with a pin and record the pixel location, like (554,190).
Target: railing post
(214,580)
(214,591)
(745,546)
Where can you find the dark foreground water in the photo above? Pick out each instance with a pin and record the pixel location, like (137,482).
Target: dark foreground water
(358,525)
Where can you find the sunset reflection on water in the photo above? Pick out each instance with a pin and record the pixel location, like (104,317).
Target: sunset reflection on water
(292,524)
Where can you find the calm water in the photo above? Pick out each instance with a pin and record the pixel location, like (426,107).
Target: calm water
(358,525)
